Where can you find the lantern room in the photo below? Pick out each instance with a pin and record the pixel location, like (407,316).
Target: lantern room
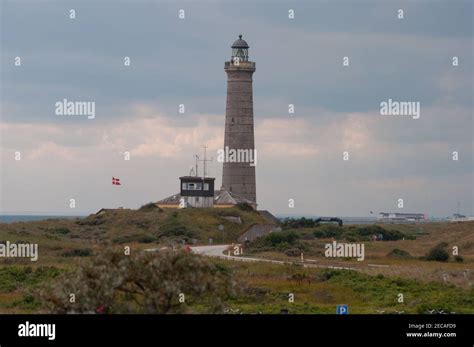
(240,50)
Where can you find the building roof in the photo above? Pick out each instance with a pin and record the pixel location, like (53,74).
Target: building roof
(221,197)
(240,43)
(224,197)
(196,178)
(173,199)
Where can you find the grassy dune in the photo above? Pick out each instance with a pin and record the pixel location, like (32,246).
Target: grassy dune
(64,244)
(268,286)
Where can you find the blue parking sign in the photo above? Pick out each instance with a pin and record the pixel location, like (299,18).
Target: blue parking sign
(342,309)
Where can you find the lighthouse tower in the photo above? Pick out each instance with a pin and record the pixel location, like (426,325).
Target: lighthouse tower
(238,175)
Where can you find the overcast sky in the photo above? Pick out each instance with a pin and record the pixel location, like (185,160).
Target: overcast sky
(181,61)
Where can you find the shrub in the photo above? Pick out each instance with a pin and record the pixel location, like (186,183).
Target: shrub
(357,233)
(327,231)
(174,227)
(151,206)
(77,252)
(438,253)
(280,240)
(16,277)
(244,207)
(293,252)
(303,222)
(28,301)
(366,232)
(176,230)
(227,212)
(398,253)
(326,275)
(135,238)
(143,282)
(276,238)
(62,231)
(139,223)
(91,220)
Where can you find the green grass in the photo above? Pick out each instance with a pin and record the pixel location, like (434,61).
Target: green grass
(265,287)
(268,286)
(24,277)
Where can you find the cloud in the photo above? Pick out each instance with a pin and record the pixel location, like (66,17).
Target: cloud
(298,62)
(50,149)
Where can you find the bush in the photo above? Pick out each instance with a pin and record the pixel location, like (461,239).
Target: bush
(327,231)
(459,258)
(143,282)
(174,227)
(303,222)
(147,239)
(365,232)
(28,301)
(21,277)
(91,220)
(135,238)
(280,240)
(326,275)
(276,238)
(62,231)
(142,224)
(176,230)
(293,252)
(151,206)
(398,253)
(77,252)
(244,207)
(357,233)
(438,253)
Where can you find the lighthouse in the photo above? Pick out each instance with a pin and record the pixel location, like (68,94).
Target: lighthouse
(238,174)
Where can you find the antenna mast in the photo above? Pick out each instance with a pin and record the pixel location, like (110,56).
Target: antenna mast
(197,159)
(205,160)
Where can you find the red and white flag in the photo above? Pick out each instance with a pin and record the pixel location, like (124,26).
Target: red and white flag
(116,181)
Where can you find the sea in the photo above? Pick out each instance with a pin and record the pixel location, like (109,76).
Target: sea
(30,218)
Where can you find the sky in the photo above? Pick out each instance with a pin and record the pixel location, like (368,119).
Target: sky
(299,61)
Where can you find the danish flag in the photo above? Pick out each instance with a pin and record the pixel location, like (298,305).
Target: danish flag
(116,181)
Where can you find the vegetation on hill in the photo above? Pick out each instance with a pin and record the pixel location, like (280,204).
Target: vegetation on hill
(351,233)
(320,290)
(438,252)
(68,247)
(149,224)
(285,241)
(298,223)
(143,282)
(361,233)
(398,253)
(151,206)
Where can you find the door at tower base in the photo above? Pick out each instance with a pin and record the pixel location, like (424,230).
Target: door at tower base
(239,177)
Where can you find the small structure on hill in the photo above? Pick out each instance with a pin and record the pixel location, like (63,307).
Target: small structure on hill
(402,217)
(196,191)
(329,220)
